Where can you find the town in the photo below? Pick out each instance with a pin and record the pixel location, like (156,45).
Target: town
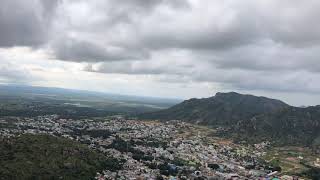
(153,150)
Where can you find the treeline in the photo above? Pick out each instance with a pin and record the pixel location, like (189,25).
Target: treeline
(103,133)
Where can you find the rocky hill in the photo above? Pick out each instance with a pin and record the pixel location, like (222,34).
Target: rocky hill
(291,125)
(249,117)
(221,109)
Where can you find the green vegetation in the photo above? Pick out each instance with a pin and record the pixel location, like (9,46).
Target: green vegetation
(151,142)
(288,126)
(250,119)
(93,133)
(122,145)
(48,157)
(311,173)
(293,161)
(25,107)
(30,101)
(179,162)
(128,146)
(221,109)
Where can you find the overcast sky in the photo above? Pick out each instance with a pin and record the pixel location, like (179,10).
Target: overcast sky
(165,48)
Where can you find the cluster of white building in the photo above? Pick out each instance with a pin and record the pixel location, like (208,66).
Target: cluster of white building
(201,159)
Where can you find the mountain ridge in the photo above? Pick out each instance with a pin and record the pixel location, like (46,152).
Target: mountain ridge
(248,117)
(223,107)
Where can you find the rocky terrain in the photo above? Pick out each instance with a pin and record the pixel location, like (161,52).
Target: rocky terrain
(249,118)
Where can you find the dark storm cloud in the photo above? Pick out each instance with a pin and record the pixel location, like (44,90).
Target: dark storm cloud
(25,23)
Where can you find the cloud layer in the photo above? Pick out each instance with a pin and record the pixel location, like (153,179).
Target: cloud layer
(269,45)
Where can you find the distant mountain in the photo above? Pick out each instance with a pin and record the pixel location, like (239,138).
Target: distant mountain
(221,109)
(248,117)
(62,93)
(98,100)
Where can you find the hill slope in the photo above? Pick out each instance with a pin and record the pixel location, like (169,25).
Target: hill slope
(47,157)
(249,118)
(291,125)
(221,109)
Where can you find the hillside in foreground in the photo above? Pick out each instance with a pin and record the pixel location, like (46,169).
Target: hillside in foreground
(48,157)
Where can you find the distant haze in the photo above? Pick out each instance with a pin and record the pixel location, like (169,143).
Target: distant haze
(164,48)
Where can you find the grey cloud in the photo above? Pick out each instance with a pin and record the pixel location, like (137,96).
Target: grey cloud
(239,24)
(266,45)
(283,81)
(134,68)
(254,45)
(293,23)
(106,32)
(210,33)
(25,23)
(235,79)
(267,57)
(83,51)
(150,27)
(149,4)
(248,22)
